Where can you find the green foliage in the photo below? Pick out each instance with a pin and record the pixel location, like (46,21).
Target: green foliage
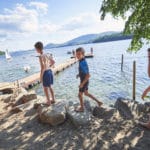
(137,14)
(2,53)
(112,37)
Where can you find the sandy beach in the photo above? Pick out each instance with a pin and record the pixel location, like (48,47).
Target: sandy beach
(108,129)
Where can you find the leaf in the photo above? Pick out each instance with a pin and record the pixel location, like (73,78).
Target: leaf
(138,22)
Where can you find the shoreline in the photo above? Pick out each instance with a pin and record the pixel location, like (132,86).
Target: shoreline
(108,128)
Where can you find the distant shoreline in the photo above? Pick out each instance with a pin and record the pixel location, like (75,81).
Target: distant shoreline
(93,42)
(92,38)
(128,38)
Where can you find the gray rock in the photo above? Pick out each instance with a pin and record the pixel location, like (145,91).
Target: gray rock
(79,118)
(147,106)
(25,97)
(6,98)
(23,107)
(28,106)
(123,107)
(7,90)
(130,109)
(104,113)
(54,114)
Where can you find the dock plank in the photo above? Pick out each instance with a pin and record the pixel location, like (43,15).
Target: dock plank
(86,56)
(35,78)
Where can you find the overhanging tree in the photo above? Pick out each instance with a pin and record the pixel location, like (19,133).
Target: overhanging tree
(137,23)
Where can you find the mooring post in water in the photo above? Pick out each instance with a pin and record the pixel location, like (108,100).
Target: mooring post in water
(17,83)
(122,59)
(134,80)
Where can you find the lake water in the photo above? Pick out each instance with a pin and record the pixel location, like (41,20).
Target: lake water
(107,82)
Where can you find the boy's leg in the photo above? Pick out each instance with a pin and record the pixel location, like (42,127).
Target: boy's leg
(93,98)
(147,125)
(47,95)
(81,108)
(52,94)
(145,92)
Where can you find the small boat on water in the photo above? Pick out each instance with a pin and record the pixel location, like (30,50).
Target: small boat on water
(69,52)
(26,68)
(7,55)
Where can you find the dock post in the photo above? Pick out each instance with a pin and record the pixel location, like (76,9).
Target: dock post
(134,81)
(17,83)
(122,60)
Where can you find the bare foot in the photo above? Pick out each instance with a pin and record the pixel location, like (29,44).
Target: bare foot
(99,104)
(143,96)
(48,103)
(79,109)
(53,101)
(146,125)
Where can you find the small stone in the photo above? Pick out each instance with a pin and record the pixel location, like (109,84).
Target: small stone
(25,97)
(27,106)
(6,98)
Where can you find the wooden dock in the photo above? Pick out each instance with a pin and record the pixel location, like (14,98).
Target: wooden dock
(32,80)
(86,56)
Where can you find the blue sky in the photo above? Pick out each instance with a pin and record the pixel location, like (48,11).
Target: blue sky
(23,22)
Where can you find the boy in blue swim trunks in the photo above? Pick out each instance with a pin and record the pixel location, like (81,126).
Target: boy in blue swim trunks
(46,75)
(84,79)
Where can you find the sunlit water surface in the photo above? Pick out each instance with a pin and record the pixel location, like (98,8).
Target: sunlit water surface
(107,82)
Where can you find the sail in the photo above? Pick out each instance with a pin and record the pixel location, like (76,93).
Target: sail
(7,55)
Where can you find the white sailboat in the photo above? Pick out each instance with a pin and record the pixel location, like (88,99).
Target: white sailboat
(7,55)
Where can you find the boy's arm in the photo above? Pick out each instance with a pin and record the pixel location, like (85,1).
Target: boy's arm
(52,62)
(149,64)
(41,64)
(85,80)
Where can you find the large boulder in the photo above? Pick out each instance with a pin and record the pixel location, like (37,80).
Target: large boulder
(105,113)
(54,114)
(79,118)
(25,97)
(131,109)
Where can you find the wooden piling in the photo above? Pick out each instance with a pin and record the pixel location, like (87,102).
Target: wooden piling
(17,83)
(122,61)
(134,81)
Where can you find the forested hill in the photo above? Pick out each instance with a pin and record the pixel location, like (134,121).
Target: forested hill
(92,38)
(112,37)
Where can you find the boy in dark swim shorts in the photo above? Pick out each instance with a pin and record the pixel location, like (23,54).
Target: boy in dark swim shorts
(84,79)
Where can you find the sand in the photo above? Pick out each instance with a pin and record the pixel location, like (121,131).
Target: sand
(24,131)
